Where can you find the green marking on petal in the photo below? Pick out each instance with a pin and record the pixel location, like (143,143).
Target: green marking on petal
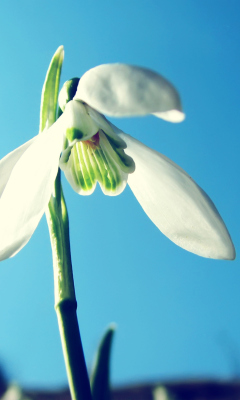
(125,162)
(87,158)
(94,165)
(74,134)
(92,161)
(78,124)
(103,167)
(115,141)
(85,167)
(77,171)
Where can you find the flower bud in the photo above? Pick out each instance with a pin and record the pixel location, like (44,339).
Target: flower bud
(67,92)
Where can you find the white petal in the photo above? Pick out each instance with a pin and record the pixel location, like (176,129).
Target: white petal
(121,90)
(171,116)
(176,204)
(8,162)
(78,122)
(105,125)
(28,190)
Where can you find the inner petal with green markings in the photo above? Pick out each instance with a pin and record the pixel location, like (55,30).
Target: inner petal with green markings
(99,158)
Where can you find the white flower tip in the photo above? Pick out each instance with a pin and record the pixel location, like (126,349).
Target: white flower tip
(229,252)
(171,115)
(216,245)
(207,236)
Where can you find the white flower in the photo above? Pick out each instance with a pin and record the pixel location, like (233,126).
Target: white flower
(92,149)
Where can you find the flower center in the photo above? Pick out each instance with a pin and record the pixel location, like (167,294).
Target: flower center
(93,152)
(96,159)
(93,143)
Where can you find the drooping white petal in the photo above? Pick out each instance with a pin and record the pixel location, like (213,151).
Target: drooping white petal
(122,90)
(176,204)
(8,162)
(28,190)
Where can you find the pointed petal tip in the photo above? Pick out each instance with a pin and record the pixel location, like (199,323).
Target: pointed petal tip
(230,254)
(221,247)
(214,243)
(174,116)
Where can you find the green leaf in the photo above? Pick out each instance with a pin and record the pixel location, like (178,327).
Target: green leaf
(50,90)
(100,376)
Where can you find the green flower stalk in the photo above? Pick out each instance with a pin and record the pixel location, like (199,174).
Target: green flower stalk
(57,218)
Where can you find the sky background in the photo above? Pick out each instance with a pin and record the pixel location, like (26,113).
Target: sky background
(177,314)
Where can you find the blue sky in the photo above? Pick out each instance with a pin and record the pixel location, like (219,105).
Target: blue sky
(177,313)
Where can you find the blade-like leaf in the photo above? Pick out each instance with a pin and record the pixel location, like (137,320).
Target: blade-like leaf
(50,90)
(100,376)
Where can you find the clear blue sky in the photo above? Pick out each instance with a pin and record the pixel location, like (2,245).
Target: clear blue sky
(178,315)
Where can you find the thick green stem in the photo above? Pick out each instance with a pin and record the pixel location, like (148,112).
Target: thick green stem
(73,351)
(65,300)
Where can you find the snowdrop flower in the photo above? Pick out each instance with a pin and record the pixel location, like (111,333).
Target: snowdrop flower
(89,149)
